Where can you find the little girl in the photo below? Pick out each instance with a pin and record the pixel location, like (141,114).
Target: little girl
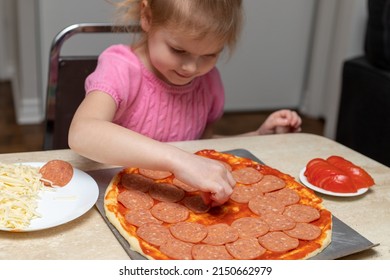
(165,87)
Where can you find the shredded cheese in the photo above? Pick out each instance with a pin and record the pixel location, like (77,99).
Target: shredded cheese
(20,187)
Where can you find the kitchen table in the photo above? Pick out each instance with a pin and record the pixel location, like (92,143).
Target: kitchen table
(89,238)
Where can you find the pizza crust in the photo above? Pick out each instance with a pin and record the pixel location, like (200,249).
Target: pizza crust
(117,219)
(325,244)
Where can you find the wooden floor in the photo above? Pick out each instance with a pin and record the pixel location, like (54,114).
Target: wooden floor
(25,138)
(14,137)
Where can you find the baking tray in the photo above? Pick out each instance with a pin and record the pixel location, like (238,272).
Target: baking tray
(345,240)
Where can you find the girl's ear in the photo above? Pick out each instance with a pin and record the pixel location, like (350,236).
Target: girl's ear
(146,16)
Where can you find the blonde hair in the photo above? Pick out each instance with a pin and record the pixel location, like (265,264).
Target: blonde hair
(220,18)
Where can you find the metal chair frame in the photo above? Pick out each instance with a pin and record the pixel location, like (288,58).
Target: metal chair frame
(64,94)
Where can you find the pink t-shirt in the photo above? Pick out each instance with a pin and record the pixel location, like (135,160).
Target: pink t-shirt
(152,107)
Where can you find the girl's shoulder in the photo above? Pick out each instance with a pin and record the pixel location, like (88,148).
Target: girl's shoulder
(120,52)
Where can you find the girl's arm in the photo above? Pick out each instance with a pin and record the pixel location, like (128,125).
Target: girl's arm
(93,135)
(281,121)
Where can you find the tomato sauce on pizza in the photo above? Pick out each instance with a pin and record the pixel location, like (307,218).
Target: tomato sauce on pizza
(268,216)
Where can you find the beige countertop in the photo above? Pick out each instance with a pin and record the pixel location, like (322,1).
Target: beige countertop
(88,237)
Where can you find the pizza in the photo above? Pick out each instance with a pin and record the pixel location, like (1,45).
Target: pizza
(268,216)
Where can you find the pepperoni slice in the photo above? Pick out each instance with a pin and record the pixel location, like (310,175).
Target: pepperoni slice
(219,234)
(140,217)
(137,182)
(177,249)
(166,192)
(183,186)
(154,174)
(250,227)
(247,175)
(302,213)
(242,194)
(57,173)
(210,252)
(270,183)
(245,249)
(279,242)
(304,231)
(196,204)
(170,212)
(278,221)
(189,232)
(135,200)
(285,196)
(154,234)
(261,205)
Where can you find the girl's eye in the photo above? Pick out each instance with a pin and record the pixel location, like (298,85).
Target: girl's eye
(178,51)
(212,55)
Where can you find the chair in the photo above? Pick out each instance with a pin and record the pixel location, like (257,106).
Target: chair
(364,120)
(65,88)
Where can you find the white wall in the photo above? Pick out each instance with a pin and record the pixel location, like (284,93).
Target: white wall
(26,82)
(358,28)
(7,39)
(352,18)
(268,68)
(3,51)
(338,36)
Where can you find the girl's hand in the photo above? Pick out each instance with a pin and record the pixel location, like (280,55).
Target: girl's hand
(207,175)
(282,121)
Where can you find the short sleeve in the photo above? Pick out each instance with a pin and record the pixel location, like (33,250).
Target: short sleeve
(117,73)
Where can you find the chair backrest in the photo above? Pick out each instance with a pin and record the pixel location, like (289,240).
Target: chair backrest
(65,88)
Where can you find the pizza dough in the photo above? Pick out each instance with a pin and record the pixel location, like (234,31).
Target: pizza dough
(269,215)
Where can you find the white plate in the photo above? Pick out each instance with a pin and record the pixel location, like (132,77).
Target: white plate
(64,204)
(304,181)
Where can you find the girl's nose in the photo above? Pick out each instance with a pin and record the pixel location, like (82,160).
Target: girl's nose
(190,65)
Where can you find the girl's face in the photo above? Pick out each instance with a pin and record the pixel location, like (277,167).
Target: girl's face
(177,58)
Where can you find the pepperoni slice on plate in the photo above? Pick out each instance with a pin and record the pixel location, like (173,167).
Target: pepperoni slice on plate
(56,172)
